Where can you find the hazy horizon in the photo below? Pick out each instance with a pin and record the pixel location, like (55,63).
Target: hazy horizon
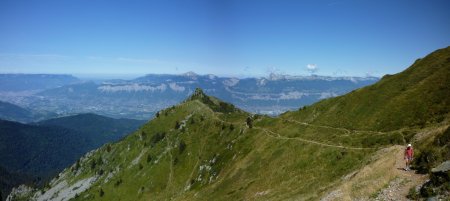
(101,76)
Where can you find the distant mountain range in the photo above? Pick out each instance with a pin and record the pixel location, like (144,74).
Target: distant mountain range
(33,82)
(13,112)
(142,97)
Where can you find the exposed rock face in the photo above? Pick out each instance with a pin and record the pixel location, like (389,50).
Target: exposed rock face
(439,181)
(442,168)
(20,192)
(441,174)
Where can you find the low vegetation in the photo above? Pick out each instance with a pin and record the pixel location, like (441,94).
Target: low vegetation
(204,149)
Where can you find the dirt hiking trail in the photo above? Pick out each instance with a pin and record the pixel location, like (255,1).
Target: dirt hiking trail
(382,179)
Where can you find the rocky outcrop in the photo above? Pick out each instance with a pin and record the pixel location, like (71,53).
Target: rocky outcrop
(439,183)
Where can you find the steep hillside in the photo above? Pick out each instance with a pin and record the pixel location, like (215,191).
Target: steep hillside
(99,129)
(205,149)
(13,112)
(39,150)
(8,180)
(339,149)
(415,97)
(43,149)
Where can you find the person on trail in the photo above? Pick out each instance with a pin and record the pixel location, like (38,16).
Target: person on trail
(409,153)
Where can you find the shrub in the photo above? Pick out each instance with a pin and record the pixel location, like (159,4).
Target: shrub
(226,107)
(427,190)
(443,139)
(100,161)
(118,182)
(77,166)
(182,146)
(249,122)
(143,135)
(426,160)
(101,192)
(93,164)
(158,137)
(432,155)
(413,194)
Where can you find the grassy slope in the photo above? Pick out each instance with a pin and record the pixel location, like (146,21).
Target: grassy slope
(415,97)
(279,158)
(220,162)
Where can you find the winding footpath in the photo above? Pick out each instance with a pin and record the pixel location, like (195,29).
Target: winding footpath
(348,131)
(280,137)
(398,189)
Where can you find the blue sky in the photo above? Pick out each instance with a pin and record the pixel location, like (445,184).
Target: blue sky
(223,37)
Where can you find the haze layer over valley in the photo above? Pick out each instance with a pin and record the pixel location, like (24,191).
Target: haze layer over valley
(140,98)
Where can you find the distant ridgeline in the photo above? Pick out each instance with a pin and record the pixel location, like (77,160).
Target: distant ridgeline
(206,149)
(32,82)
(142,97)
(418,96)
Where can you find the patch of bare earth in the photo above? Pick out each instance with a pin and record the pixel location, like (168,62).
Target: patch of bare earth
(382,179)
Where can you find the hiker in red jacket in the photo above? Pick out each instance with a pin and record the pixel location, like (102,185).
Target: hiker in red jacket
(409,153)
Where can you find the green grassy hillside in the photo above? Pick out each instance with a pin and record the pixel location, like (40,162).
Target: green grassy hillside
(418,96)
(204,149)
